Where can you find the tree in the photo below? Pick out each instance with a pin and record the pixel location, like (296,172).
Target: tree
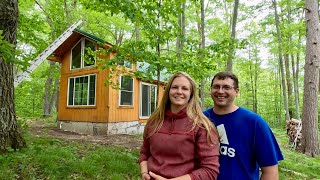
(233,34)
(284,91)
(52,83)
(10,135)
(202,50)
(310,144)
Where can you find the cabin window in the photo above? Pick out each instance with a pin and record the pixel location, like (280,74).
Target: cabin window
(80,54)
(82,91)
(126,91)
(125,64)
(148,99)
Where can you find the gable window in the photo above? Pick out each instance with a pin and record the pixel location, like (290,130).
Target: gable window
(80,54)
(82,91)
(126,91)
(148,99)
(125,64)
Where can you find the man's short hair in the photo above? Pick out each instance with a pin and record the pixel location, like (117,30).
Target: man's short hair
(224,75)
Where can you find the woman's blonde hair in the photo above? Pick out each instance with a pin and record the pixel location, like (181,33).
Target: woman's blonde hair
(194,111)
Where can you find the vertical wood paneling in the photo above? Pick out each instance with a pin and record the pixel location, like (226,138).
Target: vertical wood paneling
(107,107)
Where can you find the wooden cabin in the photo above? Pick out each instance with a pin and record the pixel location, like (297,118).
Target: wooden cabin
(87,105)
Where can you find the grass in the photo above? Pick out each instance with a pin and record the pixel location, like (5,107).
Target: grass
(296,166)
(49,158)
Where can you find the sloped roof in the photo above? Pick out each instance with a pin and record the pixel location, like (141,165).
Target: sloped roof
(71,41)
(90,36)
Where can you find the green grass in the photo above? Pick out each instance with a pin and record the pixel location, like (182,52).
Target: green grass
(47,158)
(296,166)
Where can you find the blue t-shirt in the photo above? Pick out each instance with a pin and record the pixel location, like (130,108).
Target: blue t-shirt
(246,143)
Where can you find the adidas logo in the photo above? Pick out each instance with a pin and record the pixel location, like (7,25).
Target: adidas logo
(225,150)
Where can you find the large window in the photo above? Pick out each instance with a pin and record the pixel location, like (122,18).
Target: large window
(126,91)
(148,99)
(82,91)
(81,55)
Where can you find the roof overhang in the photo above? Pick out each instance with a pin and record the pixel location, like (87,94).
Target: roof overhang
(77,34)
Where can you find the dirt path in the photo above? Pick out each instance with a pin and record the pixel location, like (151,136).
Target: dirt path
(39,127)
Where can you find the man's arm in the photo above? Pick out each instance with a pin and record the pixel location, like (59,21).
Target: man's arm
(269,173)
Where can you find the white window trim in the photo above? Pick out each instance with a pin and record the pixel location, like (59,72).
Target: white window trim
(119,93)
(140,98)
(95,92)
(82,41)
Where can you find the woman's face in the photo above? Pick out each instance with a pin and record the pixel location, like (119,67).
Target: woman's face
(179,93)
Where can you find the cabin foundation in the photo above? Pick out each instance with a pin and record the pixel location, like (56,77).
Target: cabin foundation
(131,127)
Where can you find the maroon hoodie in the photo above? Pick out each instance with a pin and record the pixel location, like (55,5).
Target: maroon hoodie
(175,150)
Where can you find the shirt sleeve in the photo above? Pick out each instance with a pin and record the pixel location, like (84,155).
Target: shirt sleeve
(267,150)
(145,150)
(207,155)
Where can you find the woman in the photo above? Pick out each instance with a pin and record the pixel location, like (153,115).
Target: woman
(179,141)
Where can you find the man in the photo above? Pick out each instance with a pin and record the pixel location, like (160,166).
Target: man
(246,141)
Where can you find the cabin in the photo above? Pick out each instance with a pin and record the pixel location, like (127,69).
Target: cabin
(86,103)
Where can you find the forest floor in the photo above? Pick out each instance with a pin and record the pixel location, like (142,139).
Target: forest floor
(41,127)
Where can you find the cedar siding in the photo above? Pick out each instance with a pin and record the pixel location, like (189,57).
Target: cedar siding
(106,108)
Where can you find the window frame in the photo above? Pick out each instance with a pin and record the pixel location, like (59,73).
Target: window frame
(82,51)
(119,92)
(88,91)
(149,103)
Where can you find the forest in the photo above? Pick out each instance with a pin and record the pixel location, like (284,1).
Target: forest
(273,46)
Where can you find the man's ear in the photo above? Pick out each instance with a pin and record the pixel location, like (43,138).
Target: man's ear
(238,92)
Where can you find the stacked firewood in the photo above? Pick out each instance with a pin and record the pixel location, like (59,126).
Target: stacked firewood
(294,133)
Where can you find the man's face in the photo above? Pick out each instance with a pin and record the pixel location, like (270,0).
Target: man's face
(223,92)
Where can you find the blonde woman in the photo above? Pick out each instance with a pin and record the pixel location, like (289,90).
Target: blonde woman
(179,141)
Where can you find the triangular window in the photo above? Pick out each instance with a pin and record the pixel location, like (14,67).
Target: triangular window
(81,54)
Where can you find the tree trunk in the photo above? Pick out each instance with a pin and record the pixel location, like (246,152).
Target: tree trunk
(67,12)
(158,50)
(284,91)
(54,97)
(178,40)
(256,66)
(233,34)
(295,69)
(252,88)
(310,144)
(289,85)
(181,31)
(183,26)
(203,45)
(10,135)
(277,97)
(50,92)
(295,89)
(137,30)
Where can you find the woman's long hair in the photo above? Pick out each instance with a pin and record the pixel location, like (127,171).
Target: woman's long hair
(194,111)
